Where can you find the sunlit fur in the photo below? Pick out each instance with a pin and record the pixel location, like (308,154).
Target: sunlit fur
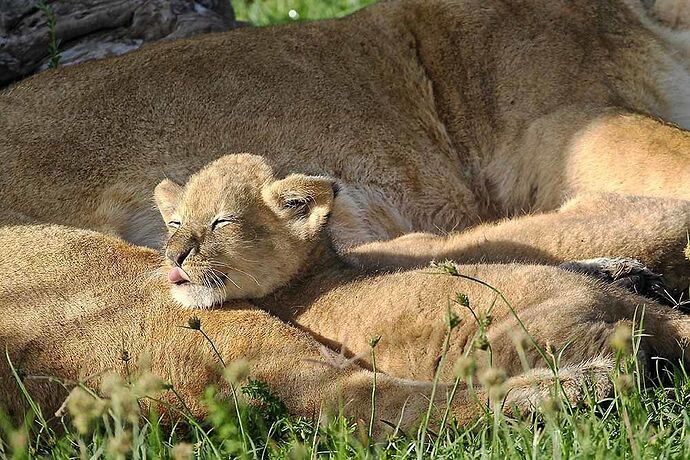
(265,232)
(440,113)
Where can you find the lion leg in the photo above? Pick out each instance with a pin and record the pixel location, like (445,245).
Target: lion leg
(311,381)
(589,323)
(528,390)
(651,230)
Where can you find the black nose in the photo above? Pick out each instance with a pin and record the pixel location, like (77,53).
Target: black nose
(178,258)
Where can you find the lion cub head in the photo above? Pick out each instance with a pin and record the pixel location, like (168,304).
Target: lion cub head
(235,231)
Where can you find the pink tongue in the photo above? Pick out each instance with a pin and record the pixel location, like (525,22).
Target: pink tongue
(177,275)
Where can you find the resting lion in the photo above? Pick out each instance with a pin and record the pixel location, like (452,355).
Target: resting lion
(236,231)
(73,303)
(437,115)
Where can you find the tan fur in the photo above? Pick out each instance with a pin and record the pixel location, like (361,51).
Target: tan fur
(434,114)
(72,306)
(241,233)
(344,306)
(75,302)
(652,230)
(438,114)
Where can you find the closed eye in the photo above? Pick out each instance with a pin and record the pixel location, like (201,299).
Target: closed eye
(296,203)
(174,224)
(223,221)
(298,206)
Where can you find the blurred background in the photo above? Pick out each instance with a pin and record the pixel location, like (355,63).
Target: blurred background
(266,12)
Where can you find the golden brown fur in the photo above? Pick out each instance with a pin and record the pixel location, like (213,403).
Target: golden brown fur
(237,233)
(652,230)
(73,305)
(442,117)
(345,306)
(434,114)
(75,302)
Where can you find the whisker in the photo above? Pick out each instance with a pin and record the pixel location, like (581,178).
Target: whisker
(222,287)
(220,264)
(225,276)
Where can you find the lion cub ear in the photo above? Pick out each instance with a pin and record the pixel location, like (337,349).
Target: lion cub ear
(305,200)
(167,195)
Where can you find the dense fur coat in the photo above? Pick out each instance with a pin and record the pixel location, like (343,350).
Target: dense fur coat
(435,115)
(446,114)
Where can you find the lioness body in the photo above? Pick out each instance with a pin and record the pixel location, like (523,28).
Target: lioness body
(70,319)
(71,313)
(651,229)
(73,306)
(409,312)
(435,114)
(439,114)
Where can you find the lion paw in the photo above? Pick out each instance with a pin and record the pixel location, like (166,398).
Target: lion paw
(629,274)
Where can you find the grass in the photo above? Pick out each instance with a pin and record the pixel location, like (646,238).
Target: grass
(266,12)
(638,421)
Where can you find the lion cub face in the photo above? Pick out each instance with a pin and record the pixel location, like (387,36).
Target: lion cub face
(234,231)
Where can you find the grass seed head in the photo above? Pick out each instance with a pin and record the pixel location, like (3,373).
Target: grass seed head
(446,267)
(120,444)
(492,376)
(237,371)
(373,341)
(481,342)
(551,406)
(462,299)
(111,383)
(194,323)
(465,367)
(621,339)
(148,384)
(84,408)
(123,400)
(182,451)
(624,383)
(487,319)
(493,379)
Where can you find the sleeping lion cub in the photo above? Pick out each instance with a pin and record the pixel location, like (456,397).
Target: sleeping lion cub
(72,300)
(236,231)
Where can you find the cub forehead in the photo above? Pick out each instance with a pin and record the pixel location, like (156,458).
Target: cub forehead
(218,184)
(250,170)
(223,199)
(233,184)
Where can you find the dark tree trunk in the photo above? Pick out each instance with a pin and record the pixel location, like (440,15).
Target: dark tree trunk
(92,29)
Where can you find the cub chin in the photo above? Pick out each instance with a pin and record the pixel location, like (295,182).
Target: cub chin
(236,231)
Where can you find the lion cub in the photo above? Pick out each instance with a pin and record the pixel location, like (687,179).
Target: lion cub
(236,231)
